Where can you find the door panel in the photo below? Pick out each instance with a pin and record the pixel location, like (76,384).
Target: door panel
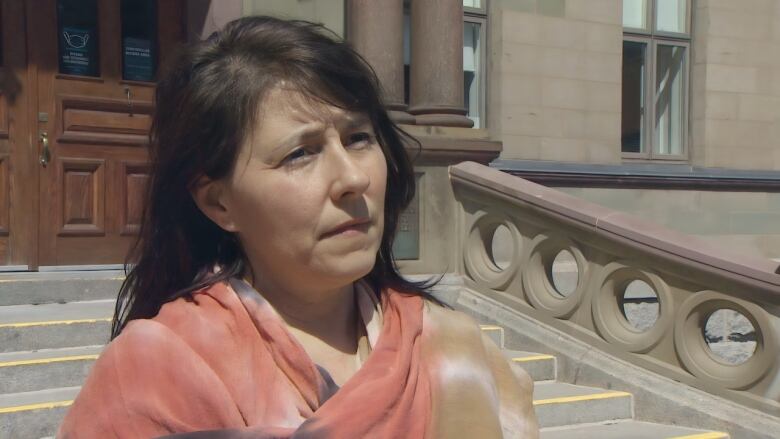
(98,132)
(18,172)
(82,204)
(101,121)
(5,158)
(5,194)
(133,179)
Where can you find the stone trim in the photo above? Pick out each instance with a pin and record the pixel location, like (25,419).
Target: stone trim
(675,177)
(631,230)
(449,145)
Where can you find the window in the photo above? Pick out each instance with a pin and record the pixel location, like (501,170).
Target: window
(77,27)
(474,37)
(139,39)
(656,47)
(474,26)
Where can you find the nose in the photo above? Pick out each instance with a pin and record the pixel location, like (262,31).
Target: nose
(348,177)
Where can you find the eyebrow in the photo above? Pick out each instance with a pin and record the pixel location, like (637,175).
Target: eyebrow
(307,131)
(314,129)
(356,121)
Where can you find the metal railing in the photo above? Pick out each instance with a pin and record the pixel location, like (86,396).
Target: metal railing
(691,279)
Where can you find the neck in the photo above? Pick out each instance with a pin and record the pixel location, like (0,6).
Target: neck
(327,315)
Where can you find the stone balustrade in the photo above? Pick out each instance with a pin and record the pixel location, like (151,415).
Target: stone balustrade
(608,251)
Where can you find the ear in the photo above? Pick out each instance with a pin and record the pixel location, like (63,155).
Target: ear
(210,197)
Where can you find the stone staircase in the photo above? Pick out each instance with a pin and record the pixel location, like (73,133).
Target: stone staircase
(568,411)
(47,348)
(52,328)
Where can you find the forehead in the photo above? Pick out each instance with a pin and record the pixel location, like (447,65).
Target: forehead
(287,107)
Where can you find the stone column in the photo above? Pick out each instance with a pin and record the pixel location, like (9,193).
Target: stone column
(436,93)
(375,30)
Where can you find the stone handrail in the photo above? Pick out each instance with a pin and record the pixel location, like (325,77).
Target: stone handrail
(690,278)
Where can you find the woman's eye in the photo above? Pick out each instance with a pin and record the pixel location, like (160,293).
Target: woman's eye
(358,140)
(296,156)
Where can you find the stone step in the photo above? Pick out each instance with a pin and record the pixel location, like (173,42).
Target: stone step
(496,333)
(58,287)
(47,368)
(558,404)
(541,367)
(34,414)
(628,429)
(55,325)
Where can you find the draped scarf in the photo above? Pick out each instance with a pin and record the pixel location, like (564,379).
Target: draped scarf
(222,364)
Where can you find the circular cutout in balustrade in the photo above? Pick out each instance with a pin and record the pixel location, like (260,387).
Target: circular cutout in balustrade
(564,273)
(730,336)
(502,248)
(634,328)
(492,251)
(696,331)
(544,282)
(640,305)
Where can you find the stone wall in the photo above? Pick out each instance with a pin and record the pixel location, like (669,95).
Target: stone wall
(736,84)
(328,12)
(555,79)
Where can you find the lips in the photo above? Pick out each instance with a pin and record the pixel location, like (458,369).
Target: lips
(356,224)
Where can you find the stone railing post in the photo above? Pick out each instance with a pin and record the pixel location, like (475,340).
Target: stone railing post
(436,89)
(375,30)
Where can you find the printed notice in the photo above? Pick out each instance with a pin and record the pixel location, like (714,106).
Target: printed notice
(138,62)
(78,55)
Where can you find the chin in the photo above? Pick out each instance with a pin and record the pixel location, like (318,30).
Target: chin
(353,267)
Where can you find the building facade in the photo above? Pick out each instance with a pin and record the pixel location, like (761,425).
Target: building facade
(665,108)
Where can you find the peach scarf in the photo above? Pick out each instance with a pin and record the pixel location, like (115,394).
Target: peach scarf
(222,364)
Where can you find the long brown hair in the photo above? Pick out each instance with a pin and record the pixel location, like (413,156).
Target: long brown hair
(206,104)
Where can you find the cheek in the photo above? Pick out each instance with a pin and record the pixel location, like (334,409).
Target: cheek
(379,180)
(377,169)
(275,209)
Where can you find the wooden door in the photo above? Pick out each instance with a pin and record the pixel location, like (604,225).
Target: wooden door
(18,173)
(96,63)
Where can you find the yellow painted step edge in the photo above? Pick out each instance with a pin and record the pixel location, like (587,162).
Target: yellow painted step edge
(489,327)
(43,405)
(532,358)
(591,397)
(708,435)
(49,360)
(53,322)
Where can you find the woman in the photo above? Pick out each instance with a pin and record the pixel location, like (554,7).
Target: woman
(265,301)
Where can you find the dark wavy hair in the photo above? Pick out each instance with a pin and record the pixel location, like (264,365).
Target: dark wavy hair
(206,105)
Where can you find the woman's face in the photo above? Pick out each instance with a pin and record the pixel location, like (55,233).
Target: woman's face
(307,195)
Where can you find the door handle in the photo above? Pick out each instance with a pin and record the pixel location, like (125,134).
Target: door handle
(45,153)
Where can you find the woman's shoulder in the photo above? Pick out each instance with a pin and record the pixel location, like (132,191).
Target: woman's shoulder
(200,321)
(213,304)
(455,323)
(154,370)
(436,313)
